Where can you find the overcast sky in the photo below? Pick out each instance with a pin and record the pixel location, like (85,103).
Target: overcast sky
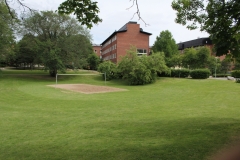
(157,13)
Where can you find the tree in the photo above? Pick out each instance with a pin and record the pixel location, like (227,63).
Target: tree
(141,70)
(28,51)
(220,18)
(165,43)
(194,58)
(93,61)
(109,68)
(60,39)
(6,33)
(189,59)
(175,60)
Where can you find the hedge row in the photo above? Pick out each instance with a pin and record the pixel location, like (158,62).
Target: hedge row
(221,75)
(180,73)
(236,74)
(200,74)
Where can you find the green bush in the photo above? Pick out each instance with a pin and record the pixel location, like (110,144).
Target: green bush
(109,68)
(236,73)
(221,75)
(237,80)
(181,73)
(200,74)
(163,74)
(141,70)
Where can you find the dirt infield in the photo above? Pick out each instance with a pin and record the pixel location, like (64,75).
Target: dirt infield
(86,88)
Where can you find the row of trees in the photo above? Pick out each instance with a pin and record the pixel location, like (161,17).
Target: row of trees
(51,39)
(192,58)
(220,18)
(54,40)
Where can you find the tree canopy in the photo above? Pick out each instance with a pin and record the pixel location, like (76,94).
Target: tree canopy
(61,40)
(194,58)
(165,43)
(220,18)
(6,33)
(86,11)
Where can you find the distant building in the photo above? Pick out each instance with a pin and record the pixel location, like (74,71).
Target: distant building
(97,49)
(195,43)
(198,43)
(116,45)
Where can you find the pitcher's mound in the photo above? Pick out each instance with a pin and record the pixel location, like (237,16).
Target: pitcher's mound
(86,88)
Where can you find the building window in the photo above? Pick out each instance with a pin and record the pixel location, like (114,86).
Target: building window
(143,51)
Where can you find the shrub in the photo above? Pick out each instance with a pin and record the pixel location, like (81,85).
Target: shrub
(200,74)
(181,73)
(109,68)
(236,73)
(163,74)
(221,75)
(237,80)
(141,70)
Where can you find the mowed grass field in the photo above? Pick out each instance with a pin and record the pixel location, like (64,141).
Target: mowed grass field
(172,119)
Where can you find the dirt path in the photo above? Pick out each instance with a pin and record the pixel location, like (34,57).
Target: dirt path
(86,88)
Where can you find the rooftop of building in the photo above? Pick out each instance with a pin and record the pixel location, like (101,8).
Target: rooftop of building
(195,43)
(96,45)
(124,29)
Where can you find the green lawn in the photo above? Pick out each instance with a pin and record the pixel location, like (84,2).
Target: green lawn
(172,119)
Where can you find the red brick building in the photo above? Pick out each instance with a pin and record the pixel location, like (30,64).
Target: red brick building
(97,49)
(116,45)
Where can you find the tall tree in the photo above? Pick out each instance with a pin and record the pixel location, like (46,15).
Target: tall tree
(220,18)
(165,43)
(28,51)
(61,39)
(6,33)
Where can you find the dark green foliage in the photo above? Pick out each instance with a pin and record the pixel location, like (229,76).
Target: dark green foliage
(86,11)
(200,74)
(226,65)
(180,73)
(109,68)
(28,51)
(163,74)
(140,75)
(141,70)
(235,73)
(6,34)
(237,65)
(194,58)
(61,41)
(220,18)
(93,61)
(165,43)
(222,75)
(175,60)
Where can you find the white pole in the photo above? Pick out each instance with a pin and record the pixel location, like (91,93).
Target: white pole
(56,79)
(105,77)
(215,66)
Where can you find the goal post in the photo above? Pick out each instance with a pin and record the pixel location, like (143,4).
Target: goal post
(81,75)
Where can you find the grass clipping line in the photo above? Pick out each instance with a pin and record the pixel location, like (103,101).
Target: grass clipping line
(86,88)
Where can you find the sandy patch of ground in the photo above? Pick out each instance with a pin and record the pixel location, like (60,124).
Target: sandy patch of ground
(86,88)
